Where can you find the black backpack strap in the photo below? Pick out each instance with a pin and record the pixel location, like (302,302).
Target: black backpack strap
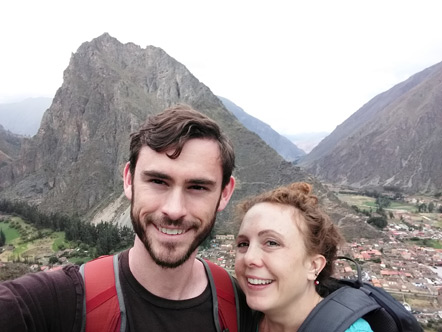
(339,310)
(393,316)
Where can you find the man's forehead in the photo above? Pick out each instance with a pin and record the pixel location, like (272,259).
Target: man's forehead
(198,145)
(196,154)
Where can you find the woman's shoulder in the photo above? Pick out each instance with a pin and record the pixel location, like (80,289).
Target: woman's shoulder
(361,325)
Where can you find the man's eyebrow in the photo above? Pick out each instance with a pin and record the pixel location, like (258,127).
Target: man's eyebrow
(205,182)
(163,176)
(155,174)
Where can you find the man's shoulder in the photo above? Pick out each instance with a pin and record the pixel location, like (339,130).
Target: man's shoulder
(68,274)
(51,299)
(47,284)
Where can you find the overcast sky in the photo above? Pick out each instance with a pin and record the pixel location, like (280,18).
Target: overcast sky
(300,66)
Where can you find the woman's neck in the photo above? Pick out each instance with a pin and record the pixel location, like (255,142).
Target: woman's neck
(289,320)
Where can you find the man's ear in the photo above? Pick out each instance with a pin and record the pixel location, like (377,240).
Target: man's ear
(317,263)
(127,177)
(226,194)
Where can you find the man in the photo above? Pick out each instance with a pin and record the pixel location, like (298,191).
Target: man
(178,176)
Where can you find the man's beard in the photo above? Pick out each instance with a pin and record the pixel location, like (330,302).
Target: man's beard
(163,261)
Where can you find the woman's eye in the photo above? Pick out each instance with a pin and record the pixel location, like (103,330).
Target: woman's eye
(242,244)
(272,243)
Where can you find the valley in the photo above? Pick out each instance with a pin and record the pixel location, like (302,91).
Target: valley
(402,259)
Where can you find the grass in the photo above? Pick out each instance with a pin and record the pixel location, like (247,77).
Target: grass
(50,241)
(402,206)
(10,233)
(48,244)
(427,243)
(34,245)
(79,260)
(20,248)
(60,242)
(365,203)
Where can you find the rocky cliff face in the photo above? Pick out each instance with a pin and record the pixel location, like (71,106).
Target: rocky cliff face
(73,164)
(395,139)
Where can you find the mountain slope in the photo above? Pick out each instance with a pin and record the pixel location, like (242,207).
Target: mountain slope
(393,140)
(10,145)
(74,163)
(287,149)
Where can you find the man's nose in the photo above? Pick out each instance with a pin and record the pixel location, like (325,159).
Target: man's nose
(174,207)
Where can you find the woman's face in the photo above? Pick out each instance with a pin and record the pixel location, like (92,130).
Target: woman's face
(272,266)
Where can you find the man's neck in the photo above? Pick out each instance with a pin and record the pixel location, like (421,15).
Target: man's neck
(184,282)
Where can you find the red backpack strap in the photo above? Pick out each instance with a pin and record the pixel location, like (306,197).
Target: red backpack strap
(103,309)
(225,308)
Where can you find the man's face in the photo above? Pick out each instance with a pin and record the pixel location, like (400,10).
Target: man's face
(174,201)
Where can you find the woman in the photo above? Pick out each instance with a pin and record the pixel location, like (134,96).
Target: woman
(285,254)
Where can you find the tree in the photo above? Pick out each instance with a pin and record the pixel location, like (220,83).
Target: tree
(431,207)
(422,207)
(2,238)
(53,260)
(379,222)
(382,202)
(354,207)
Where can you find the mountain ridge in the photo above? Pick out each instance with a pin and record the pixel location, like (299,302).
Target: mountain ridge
(74,163)
(401,128)
(287,149)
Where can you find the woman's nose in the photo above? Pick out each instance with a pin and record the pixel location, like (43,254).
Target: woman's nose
(253,256)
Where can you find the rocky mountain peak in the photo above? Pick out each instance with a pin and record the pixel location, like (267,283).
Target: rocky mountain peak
(73,164)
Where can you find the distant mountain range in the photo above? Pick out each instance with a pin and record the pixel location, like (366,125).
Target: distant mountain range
(24,117)
(307,141)
(287,149)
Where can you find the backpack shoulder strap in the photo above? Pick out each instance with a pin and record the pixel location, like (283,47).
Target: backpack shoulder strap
(103,307)
(337,311)
(225,298)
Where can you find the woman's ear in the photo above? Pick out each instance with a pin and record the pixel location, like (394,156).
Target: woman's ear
(317,263)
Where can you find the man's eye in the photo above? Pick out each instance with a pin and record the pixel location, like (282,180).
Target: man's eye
(195,187)
(157,181)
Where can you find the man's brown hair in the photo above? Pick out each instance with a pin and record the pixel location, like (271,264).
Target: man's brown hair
(172,128)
